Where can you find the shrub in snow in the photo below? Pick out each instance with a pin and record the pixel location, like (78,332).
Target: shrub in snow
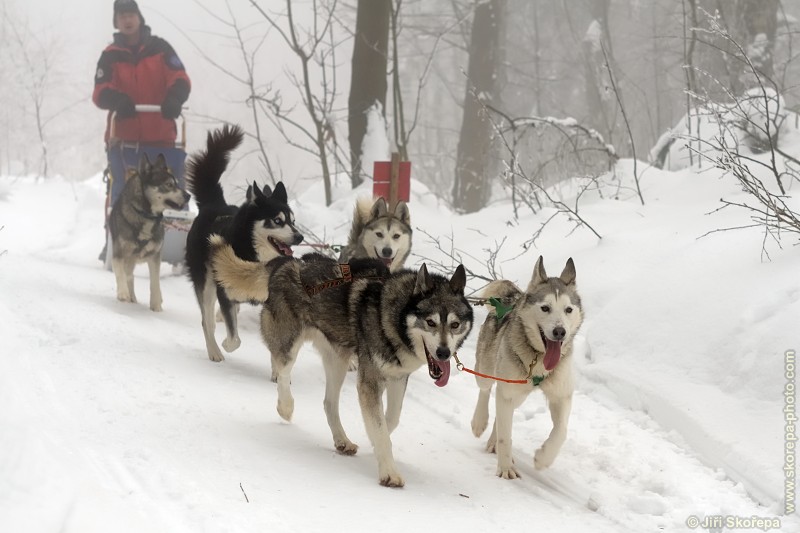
(760,114)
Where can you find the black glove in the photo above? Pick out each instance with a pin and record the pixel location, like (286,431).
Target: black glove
(117,101)
(171,108)
(124,106)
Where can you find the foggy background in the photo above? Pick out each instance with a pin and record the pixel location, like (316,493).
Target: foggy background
(617,67)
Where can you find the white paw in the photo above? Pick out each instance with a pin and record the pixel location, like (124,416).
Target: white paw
(156,306)
(543,458)
(346,447)
(391,478)
(479,424)
(216,356)
(286,409)
(230,344)
(507,472)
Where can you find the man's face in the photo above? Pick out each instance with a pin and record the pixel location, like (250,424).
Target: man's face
(128,23)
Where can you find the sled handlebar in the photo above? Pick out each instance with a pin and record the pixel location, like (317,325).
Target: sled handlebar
(149,108)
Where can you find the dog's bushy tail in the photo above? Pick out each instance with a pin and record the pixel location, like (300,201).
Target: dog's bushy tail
(503,290)
(204,169)
(361,215)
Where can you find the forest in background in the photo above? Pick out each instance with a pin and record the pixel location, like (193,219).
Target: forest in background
(470,90)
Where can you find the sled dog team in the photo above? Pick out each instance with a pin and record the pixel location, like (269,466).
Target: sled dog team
(363,310)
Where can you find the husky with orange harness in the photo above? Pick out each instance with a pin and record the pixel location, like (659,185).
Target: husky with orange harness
(527,348)
(395,323)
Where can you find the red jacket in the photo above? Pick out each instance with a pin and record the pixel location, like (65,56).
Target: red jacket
(148,73)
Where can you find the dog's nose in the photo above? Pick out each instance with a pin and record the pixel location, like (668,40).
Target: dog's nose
(443,353)
(386,252)
(298,238)
(559,333)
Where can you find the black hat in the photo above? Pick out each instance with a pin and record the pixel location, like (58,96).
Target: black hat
(126,6)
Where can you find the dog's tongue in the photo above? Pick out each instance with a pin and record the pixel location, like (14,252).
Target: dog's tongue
(444,366)
(287,251)
(552,354)
(387,261)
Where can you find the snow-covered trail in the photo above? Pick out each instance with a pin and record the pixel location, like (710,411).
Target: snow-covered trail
(114,419)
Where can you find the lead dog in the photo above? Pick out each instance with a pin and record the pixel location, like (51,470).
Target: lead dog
(394,322)
(136,225)
(533,342)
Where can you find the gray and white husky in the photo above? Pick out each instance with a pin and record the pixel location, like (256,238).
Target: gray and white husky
(377,232)
(394,322)
(533,343)
(136,225)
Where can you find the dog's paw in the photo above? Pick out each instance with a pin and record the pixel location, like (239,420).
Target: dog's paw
(286,409)
(543,458)
(216,356)
(156,306)
(491,444)
(507,472)
(231,344)
(125,297)
(392,479)
(274,377)
(352,366)
(346,448)
(479,425)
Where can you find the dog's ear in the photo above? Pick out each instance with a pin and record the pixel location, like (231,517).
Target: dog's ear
(539,275)
(459,280)
(424,281)
(279,194)
(161,162)
(378,208)
(248,197)
(258,194)
(568,275)
(401,213)
(144,165)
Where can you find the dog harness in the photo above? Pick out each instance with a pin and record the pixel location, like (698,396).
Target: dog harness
(346,277)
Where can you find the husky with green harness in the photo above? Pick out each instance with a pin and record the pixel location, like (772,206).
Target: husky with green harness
(526,344)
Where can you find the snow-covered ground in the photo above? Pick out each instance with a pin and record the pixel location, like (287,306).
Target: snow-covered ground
(114,419)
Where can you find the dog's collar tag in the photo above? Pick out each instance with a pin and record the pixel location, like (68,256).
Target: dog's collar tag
(537,380)
(500,310)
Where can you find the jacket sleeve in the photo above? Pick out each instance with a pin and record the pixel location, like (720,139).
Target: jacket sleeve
(178,83)
(104,95)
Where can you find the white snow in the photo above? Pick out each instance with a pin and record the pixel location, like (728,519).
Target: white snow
(114,419)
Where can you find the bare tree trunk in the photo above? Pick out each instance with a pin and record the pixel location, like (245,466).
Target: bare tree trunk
(368,81)
(689,43)
(598,86)
(472,184)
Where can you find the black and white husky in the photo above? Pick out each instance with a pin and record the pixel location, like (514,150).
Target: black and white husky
(394,322)
(532,343)
(259,230)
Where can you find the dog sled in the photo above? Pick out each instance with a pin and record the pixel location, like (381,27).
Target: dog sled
(123,160)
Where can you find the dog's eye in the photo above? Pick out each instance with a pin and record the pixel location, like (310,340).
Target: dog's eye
(568,310)
(455,325)
(379,235)
(396,236)
(278,221)
(545,308)
(431,323)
